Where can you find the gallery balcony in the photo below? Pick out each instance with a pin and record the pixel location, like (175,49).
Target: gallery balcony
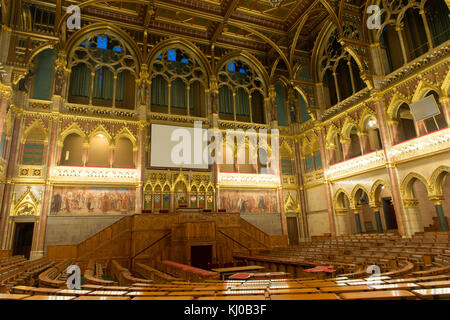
(420,147)
(358,165)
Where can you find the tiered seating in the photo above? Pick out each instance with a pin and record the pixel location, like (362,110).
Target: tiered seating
(124,275)
(92,277)
(152,274)
(18,270)
(426,253)
(55,277)
(341,288)
(184,271)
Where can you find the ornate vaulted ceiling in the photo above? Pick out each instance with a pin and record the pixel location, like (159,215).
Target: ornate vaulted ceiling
(252,25)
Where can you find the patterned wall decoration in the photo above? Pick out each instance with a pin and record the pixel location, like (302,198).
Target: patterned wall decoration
(249,201)
(93,200)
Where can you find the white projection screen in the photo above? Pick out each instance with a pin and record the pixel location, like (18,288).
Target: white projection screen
(177,147)
(425,108)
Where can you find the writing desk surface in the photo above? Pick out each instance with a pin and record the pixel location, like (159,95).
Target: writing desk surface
(88,298)
(312,296)
(237,269)
(443,293)
(380,295)
(5,296)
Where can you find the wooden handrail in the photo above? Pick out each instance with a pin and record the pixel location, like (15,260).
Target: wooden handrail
(234,240)
(151,245)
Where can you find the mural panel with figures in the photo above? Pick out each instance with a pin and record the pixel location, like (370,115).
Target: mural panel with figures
(93,200)
(249,201)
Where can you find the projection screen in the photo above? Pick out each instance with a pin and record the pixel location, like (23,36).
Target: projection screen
(177,147)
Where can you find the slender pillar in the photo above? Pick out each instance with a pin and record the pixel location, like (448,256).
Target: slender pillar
(443,225)
(427,29)
(346,148)
(393,178)
(336,83)
(358,220)
(112,149)
(364,142)
(445,102)
(352,79)
(304,232)
(402,44)
(327,184)
(412,218)
(376,211)
(85,156)
(48,188)
(11,166)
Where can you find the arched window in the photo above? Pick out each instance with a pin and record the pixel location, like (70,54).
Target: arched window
(406,125)
(391,51)
(414,34)
(257,107)
(98,155)
(178,83)
(303,107)
(103,72)
(437,13)
(160,94)
(238,79)
(242,103)
(226,103)
(178,99)
(338,70)
(43,74)
(33,148)
(72,151)
(123,154)
(197,102)
(280,100)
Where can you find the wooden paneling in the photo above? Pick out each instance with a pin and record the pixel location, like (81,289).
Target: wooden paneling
(150,237)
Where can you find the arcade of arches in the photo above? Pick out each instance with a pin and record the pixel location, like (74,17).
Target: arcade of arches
(362,116)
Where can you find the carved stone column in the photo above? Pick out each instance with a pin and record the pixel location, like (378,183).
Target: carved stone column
(376,212)
(392,171)
(10,169)
(393,127)
(357,215)
(327,184)
(346,148)
(85,156)
(443,225)
(402,43)
(342,226)
(427,29)
(364,142)
(446,109)
(112,150)
(46,203)
(412,217)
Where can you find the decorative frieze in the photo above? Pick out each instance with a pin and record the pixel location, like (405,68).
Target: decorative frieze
(434,142)
(357,165)
(248,180)
(95,175)
(31,171)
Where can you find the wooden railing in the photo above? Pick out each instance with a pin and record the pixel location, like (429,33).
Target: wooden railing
(150,246)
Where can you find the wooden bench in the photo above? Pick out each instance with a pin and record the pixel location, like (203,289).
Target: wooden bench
(124,276)
(90,277)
